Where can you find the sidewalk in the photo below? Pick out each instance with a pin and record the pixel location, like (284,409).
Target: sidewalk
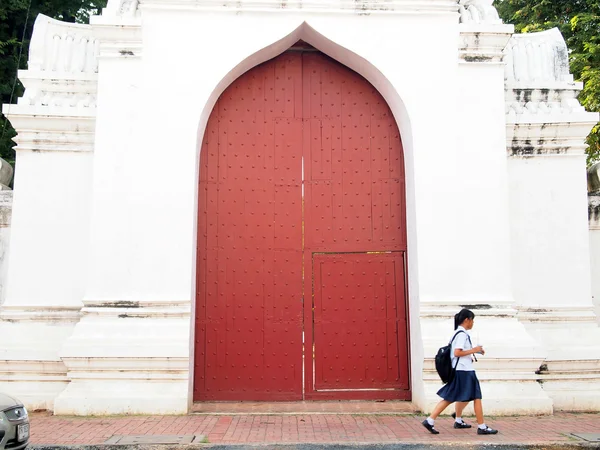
(300,428)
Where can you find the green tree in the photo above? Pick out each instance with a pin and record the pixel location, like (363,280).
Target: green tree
(16,25)
(579,22)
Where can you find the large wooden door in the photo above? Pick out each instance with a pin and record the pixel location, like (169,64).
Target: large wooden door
(301,173)
(355,318)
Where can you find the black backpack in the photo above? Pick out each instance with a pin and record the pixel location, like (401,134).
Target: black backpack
(443,361)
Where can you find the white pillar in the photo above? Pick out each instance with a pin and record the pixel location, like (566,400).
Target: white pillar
(50,222)
(476,273)
(550,242)
(129,352)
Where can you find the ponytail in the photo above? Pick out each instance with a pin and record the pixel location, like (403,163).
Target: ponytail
(461,316)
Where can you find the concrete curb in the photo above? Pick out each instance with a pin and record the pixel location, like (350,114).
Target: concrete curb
(330,446)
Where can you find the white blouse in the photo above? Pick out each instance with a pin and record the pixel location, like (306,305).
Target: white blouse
(462,341)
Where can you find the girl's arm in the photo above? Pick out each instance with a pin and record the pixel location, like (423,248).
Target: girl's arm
(458,352)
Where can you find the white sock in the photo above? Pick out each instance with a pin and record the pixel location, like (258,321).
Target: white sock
(483,426)
(430,421)
(458,420)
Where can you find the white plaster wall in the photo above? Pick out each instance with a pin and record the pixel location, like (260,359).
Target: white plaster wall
(50,229)
(118,160)
(481,237)
(551,272)
(478,266)
(128,211)
(154,123)
(549,231)
(47,272)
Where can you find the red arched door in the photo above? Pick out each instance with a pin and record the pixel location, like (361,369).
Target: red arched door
(301,239)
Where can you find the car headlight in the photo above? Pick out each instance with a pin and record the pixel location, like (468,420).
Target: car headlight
(16,413)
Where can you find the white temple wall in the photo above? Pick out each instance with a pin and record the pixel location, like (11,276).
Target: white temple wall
(173,99)
(113,242)
(47,272)
(50,229)
(550,234)
(550,246)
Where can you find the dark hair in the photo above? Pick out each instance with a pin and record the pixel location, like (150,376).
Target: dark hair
(461,316)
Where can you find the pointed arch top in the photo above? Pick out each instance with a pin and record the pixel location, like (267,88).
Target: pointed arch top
(307,33)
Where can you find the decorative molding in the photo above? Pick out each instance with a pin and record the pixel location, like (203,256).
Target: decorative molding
(32,371)
(324,6)
(62,47)
(57,111)
(498,369)
(532,136)
(134,309)
(119,30)
(559,314)
(74,92)
(60,129)
(446,310)
(483,43)
(45,314)
(127,369)
(478,12)
(537,58)
(543,101)
(543,114)
(121,8)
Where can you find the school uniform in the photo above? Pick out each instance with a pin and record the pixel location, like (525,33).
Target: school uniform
(464,387)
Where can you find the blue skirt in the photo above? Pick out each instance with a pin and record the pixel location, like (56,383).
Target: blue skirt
(464,387)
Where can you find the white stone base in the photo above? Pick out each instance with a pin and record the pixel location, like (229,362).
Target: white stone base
(35,383)
(500,398)
(507,371)
(574,394)
(108,397)
(571,372)
(30,366)
(128,358)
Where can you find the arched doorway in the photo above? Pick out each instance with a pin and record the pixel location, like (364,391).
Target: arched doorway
(301,238)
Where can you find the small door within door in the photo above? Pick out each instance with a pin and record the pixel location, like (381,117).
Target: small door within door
(359,325)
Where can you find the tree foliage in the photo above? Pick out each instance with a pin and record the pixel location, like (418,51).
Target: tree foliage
(579,22)
(13,32)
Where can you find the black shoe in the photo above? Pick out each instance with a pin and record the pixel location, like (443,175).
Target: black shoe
(488,430)
(430,427)
(461,425)
(454,415)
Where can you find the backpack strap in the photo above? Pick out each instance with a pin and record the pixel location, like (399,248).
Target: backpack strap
(473,355)
(450,344)
(452,340)
(456,334)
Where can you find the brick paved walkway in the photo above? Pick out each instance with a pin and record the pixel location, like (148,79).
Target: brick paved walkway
(308,428)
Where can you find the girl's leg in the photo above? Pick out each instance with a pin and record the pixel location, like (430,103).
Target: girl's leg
(441,406)
(478,411)
(460,407)
(429,422)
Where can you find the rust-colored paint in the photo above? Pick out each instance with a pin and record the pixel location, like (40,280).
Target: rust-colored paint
(360,324)
(252,301)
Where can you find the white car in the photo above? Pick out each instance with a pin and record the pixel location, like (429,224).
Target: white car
(14,424)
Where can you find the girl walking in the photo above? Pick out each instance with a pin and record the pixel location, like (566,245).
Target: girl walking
(464,387)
